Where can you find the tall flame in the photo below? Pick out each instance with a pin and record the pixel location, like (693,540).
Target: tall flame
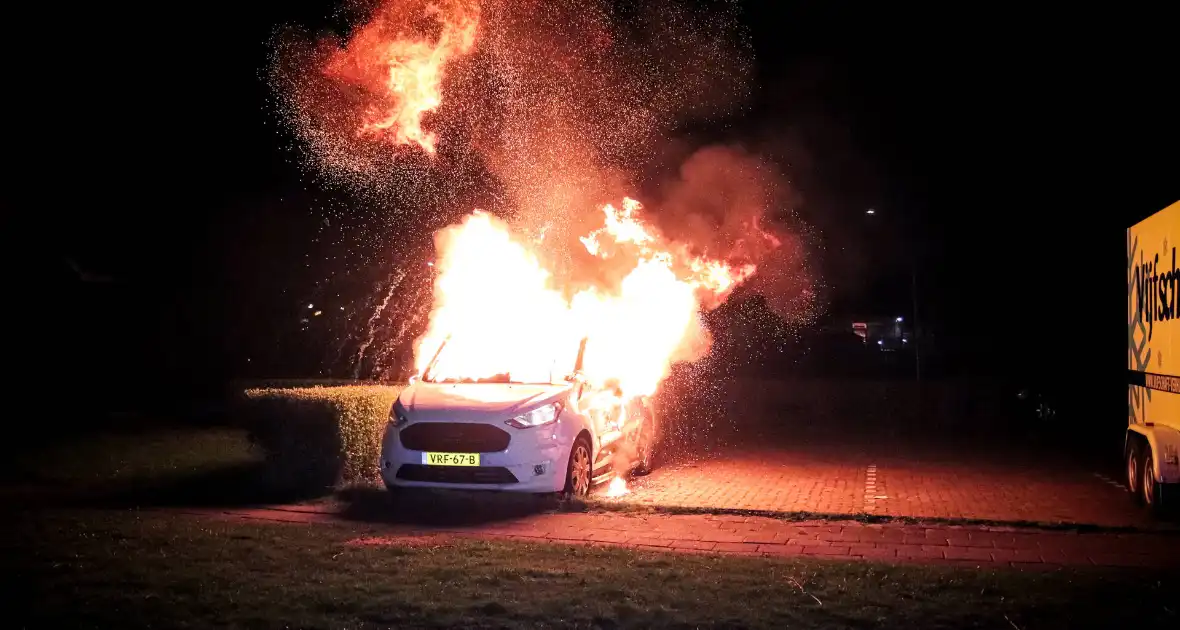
(402,70)
(499,310)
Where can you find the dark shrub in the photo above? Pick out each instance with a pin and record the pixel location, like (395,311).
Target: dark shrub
(319,437)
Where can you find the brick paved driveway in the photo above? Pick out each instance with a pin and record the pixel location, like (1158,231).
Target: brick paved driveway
(893,479)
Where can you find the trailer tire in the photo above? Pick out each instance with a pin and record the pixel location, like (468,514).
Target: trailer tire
(1152,494)
(1134,468)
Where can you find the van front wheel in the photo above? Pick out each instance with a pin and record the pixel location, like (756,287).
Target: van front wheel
(577,477)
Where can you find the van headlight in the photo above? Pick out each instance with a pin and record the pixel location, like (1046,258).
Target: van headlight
(538,417)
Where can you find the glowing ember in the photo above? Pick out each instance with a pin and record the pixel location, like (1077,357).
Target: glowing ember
(618,487)
(500,310)
(403,70)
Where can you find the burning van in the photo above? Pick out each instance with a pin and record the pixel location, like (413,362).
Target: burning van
(528,380)
(548,430)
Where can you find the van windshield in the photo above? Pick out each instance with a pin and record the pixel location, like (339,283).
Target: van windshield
(451,364)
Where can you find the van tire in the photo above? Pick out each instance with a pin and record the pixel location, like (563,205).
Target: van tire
(579,474)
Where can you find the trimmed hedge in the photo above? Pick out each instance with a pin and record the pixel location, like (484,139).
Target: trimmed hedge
(318,437)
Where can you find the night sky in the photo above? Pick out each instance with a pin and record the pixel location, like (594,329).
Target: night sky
(1005,153)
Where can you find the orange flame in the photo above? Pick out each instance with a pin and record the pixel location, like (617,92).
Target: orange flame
(499,310)
(403,70)
(617,488)
(621,225)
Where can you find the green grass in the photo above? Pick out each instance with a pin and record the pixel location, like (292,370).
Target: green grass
(137,569)
(128,459)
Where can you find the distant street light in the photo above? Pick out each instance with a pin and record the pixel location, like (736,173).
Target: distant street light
(899,318)
(870,211)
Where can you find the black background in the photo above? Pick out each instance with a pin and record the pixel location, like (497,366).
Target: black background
(1007,152)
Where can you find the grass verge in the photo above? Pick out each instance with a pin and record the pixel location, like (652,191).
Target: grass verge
(138,569)
(118,460)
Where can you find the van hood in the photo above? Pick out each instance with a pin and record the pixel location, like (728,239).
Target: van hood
(459,402)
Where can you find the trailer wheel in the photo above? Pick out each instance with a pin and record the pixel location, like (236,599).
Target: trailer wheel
(1134,469)
(1152,497)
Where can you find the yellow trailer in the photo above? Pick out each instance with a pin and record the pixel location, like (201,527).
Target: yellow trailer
(1152,448)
